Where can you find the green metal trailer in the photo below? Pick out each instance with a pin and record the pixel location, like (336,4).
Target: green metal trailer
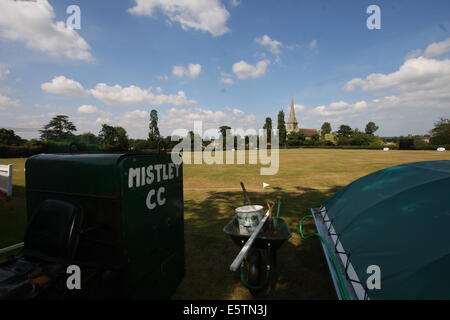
(130,239)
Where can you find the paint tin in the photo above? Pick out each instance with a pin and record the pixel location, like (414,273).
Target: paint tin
(249,218)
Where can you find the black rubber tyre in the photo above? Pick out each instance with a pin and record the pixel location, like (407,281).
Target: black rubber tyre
(255,270)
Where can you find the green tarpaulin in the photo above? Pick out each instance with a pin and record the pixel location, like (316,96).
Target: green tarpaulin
(398,219)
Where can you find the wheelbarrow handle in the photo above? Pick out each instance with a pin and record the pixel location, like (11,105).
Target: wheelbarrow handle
(245,194)
(270,205)
(245,249)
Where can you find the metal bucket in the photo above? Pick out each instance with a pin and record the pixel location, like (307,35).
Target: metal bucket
(249,218)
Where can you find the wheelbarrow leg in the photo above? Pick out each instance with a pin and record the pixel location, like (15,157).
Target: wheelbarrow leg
(272,255)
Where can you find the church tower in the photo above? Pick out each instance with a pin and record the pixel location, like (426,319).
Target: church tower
(292,124)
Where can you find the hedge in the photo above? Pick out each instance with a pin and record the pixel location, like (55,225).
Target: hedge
(431,147)
(21,151)
(344,147)
(421,147)
(26,151)
(69,147)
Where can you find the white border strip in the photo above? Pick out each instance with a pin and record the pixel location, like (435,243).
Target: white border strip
(357,287)
(6,184)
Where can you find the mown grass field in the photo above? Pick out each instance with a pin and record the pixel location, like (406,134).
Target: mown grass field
(306,177)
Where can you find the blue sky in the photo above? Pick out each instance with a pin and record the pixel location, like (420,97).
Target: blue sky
(231,62)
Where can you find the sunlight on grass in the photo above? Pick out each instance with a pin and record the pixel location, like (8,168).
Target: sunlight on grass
(305,179)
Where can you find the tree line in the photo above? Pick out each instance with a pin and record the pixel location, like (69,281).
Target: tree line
(345,135)
(60,130)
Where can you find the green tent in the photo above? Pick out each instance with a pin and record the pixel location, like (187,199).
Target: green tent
(397,219)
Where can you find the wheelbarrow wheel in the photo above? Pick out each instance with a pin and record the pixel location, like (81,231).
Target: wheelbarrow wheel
(254,270)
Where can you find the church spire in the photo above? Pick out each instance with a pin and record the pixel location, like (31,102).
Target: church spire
(292,124)
(292,112)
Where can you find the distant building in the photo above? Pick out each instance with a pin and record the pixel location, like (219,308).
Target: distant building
(213,145)
(293,126)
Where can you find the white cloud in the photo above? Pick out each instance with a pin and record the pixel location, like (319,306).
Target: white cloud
(226,78)
(134,122)
(205,15)
(414,74)
(313,44)
(414,54)
(298,108)
(116,95)
(179,71)
(134,95)
(87,109)
(418,93)
(177,118)
(198,114)
(106,119)
(192,71)
(422,85)
(32,22)
(136,114)
(273,46)
(234,111)
(238,112)
(339,108)
(63,86)
(243,70)
(409,103)
(438,48)
(4,71)
(29,123)
(162,77)
(433,50)
(8,103)
(226,81)
(234,3)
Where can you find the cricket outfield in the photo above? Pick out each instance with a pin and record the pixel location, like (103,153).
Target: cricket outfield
(305,178)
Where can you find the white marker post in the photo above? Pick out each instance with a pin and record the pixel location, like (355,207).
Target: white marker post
(6,184)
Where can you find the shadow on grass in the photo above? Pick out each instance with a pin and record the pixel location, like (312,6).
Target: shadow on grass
(13,218)
(301,271)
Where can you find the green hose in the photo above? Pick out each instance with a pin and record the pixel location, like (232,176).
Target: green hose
(275,221)
(341,285)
